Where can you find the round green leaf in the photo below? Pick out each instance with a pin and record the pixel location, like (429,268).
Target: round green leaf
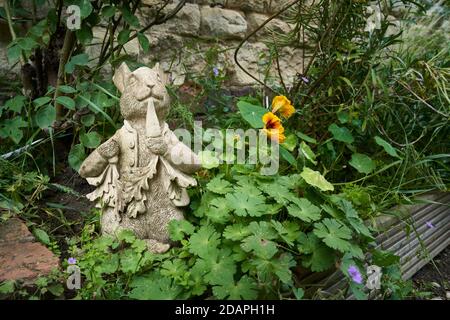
(252,114)
(315,179)
(90,140)
(362,163)
(76,156)
(45,116)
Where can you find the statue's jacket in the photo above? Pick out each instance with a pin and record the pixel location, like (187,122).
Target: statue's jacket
(126,179)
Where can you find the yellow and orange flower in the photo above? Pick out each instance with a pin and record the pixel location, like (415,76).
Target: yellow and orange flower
(283,105)
(273,128)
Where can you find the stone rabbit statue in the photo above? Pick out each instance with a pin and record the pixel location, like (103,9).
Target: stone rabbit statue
(142,171)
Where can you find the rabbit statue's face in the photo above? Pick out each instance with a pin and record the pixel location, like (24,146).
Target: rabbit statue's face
(138,87)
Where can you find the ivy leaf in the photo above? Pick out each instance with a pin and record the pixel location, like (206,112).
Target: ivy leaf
(247,205)
(179,228)
(76,156)
(90,140)
(334,234)
(303,209)
(341,133)
(318,257)
(245,288)
(387,147)
(204,242)
(236,232)
(252,114)
(219,185)
(362,163)
(315,179)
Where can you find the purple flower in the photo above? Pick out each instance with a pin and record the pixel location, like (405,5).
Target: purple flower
(355,274)
(216,71)
(72,260)
(305,79)
(429,225)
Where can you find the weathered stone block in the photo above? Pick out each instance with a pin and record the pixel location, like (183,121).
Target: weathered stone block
(185,22)
(222,23)
(255,20)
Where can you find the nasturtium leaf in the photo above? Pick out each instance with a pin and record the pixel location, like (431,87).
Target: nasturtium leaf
(41,101)
(143,41)
(318,257)
(247,205)
(90,140)
(84,34)
(66,102)
(362,163)
(179,228)
(219,185)
(341,133)
(85,7)
(245,288)
(16,104)
(45,116)
(315,179)
(204,242)
(108,11)
(386,146)
(208,159)
(42,236)
(334,234)
(252,114)
(303,209)
(236,232)
(76,156)
(87,120)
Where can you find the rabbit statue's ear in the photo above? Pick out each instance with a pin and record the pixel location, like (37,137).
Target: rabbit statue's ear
(121,76)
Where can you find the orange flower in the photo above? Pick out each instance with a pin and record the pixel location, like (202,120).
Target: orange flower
(283,105)
(273,128)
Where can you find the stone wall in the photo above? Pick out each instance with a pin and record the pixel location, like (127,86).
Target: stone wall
(201,25)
